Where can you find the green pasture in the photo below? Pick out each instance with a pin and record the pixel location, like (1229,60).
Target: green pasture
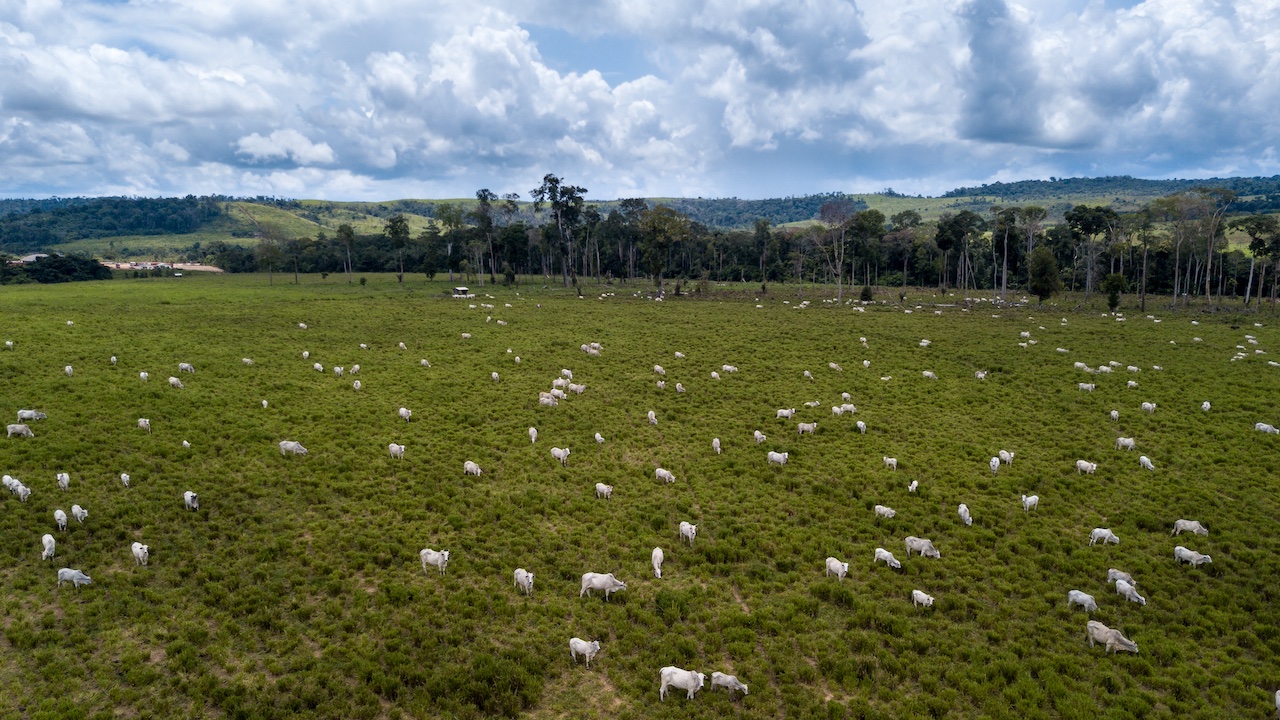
(296,590)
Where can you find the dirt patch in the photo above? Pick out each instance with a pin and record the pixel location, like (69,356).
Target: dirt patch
(738,597)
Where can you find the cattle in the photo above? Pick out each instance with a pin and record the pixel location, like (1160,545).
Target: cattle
(891,463)
(913,486)
(887,557)
(929,375)
(834,566)
(921,545)
(175,383)
(1148,407)
(306,354)
(26,415)
(1112,639)
(144,424)
(715,445)
(810,428)
(579,389)
(578,646)
(141,553)
(656,558)
(1115,416)
(405,413)
(75,577)
(728,682)
(1196,559)
(925,343)
(354,369)
(470,468)
(658,369)
(599,439)
(561,454)
(186,367)
(1129,592)
(688,532)
(681,679)
(1030,502)
(729,368)
(662,384)
(600,581)
(885,512)
(1087,387)
(68,370)
(1103,536)
(190,500)
(1125,443)
(19,429)
(604,491)
(548,400)
(246,361)
(785,413)
(836,410)
(664,475)
(560,383)
(653,418)
(49,544)
(715,375)
(1084,466)
(862,427)
(1205,406)
(64,480)
(1131,384)
(291,446)
(980,374)
(777,458)
(1114,575)
(1006,457)
(963,511)
(1083,599)
(79,513)
(918,598)
(835,366)
(438,558)
(1192,526)
(524,581)
(759,436)
(1145,462)
(995,465)
(808,375)
(1266,428)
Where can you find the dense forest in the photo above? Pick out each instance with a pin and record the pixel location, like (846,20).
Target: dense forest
(50,223)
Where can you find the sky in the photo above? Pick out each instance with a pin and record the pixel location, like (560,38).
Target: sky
(389,99)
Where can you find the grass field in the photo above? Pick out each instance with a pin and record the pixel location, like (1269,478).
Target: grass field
(296,590)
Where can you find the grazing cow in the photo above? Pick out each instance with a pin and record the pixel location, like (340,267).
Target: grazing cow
(187,445)
(777,458)
(811,428)
(1145,462)
(49,543)
(729,368)
(1084,466)
(1029,502)
(808,374)
(1205,406)
(715,445)
(891,463)
(190,500)
(913,486)
(1083,599)
(1266,428)
(578,646)
(548,400)
(1114,575)
(68,370)
(888,558)
(656,558)
(141,553)
(1087,387)
(144,424)
(836,410)
(19,429)
(835,366)
(356,384)
(579,389)
(1112,639)
(1131,384)
(1129,592)
(662,384)
(929,375)
(963,511)
(1124,443)
(75,577)
(524,581)
(980,374)
(397,451)
(124,478)
(918,598)
(79,513)
(604,491)
(835,566)
(862,427)
(728,682)
(1103,536)
(924,546)
(1115,416)
(1006,457)
(785,413)
(186,367)
(533,435)
(681,679)
(759,436)
(337,371)
(355,369)
(600,581)
(995,465)
(306,354)
(884,511)
(25,415)
(470,468)
(658,369)
(1192,526)
(1196,559)
(599,439)
(561,454)
(688,532)
(291,446)
(679,355)
(560,383)
(1148,407)
(405,413)
(176,383)
(246,361)
(317,367)
(715,375)
(653,418)
(439,558)
(64,480)
(665,475)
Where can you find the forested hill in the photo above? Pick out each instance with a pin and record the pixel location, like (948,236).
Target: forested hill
(735,213)
(34,224)
(1123,186)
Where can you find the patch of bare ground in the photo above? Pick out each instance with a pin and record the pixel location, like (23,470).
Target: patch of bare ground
(738,597)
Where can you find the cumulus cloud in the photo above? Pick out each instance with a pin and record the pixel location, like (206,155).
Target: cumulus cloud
(285,144)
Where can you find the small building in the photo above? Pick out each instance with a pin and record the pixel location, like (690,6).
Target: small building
(461,292)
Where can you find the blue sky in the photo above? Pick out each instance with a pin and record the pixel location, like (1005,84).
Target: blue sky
(383,99)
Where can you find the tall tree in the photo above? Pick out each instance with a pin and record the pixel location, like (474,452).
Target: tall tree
(483,214)
(762,239)
(565,202)
(268,253)
(661,227)
(835,215)
(1031,219)
(1044,274)
(1216,200)
(1005,222)
(1087,223)
(451,216)
(346,237)
(1257,227)
(397,233)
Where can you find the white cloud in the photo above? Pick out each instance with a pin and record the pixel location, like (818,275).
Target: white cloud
(285,144)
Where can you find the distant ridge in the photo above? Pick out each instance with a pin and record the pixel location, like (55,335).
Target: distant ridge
(1115,185)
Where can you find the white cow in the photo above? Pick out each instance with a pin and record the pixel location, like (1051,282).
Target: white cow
(918,598)
(25,415)
(995,465)
(785,413)
(439,558)
(862,427)
(664,475)
(729,368)
(836,410)
(924,546)
(141,553)
(728,682)
(1103,536)
(1192,526)
(777,458)
(337,370)
(560,383)
(1087,387)
(68,370)
(662,384)
(1006,457)
(891,463)
(1205,406)
(653,418)
(810,428)
(1148,407)
(658,369)
(600,581)
(1131,384)
(715,375)
(561,454)
(681,679)
(1115,416)
(190,500)
(1145,462)
(49,543)
(1124,443)
(396,451)
(884,511)
(470,468)
(840,569)
(20,430)
(929,375)
(186,367)
(963,511)
(1266,428)
(1196,559)
(405,413)
(599,439)
(578,646)
(760,437)
(1112,639)
(715,445)
(1030,502)
(75,577)
(915,484)
(1084,466)
(980,374)
(579,389)
(835,366)
(246,361)
(355,369)
(292,446)
(604,491)
(1114,575)
(124,478)
(808,374)
(1129,592)
(306,354)
(175,383)
(656,558)
(1083,599)
(524,581)
(79,513)
(64,480)
(144,424)
(888,558)
(688,532)
(548,400)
